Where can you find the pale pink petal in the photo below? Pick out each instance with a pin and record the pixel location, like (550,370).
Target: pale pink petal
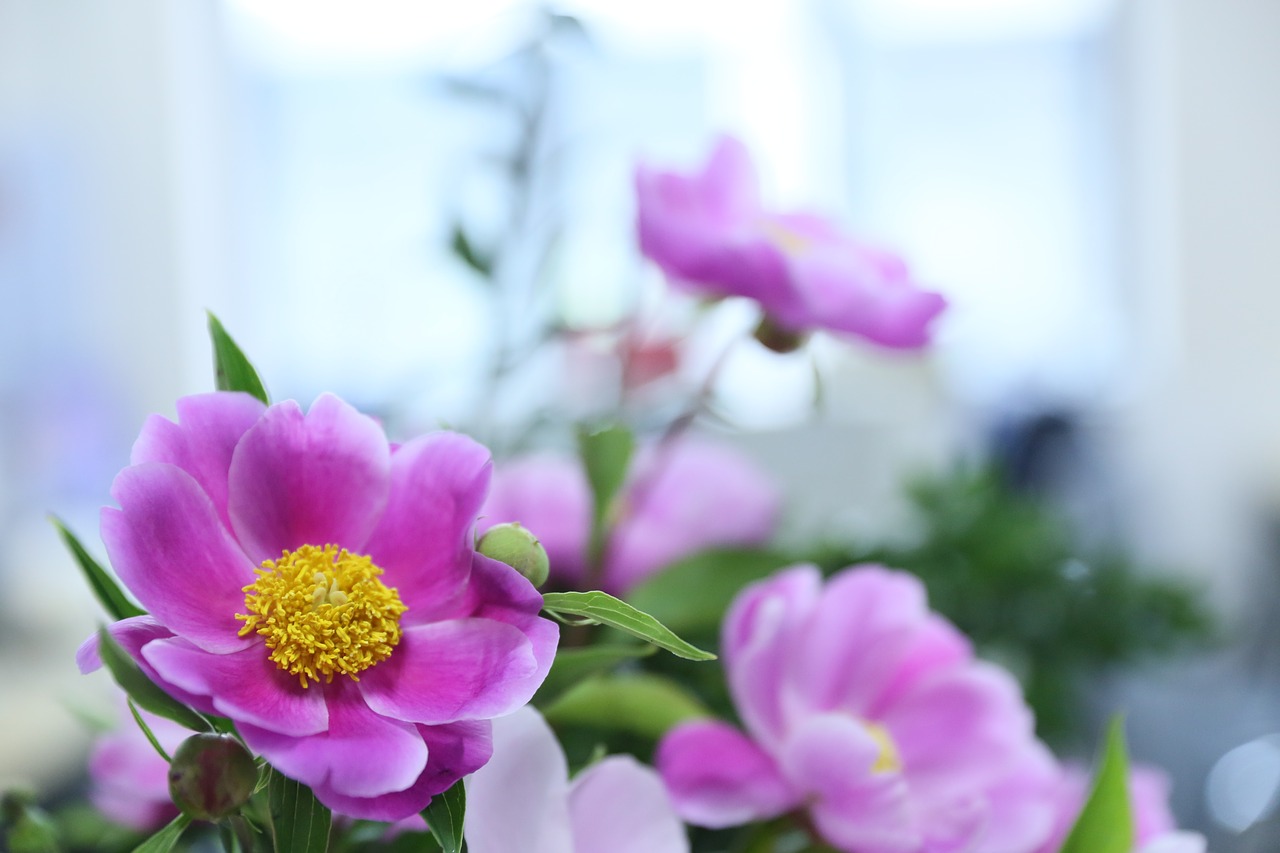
(855,808)
(519,800)
(245,686)
(424,540)
(317,479)
(760,639)
(620,806)
(548,495)
(1176,842)
(361,755)
(1149,794)
(717,777)
(202,441)
(457,670)
(169,548)
(1022,806)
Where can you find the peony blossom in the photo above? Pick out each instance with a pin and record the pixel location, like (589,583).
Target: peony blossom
(710,234)
(680,498)
(866,710)
(128,780)
(320,587)
(523,799)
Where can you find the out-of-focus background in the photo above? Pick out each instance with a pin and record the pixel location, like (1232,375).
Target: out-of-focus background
(1095,186)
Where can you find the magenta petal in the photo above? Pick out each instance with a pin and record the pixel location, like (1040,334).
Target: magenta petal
(424,540)
(168,546)
(316,479)
(830,756)
(245,686)
(202,441)
(718,777)
(620,806)
(133,635)
(456,670)
(361,755)
(454,750)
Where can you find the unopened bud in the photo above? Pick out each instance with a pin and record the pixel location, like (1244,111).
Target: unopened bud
(211,776)
(519,549)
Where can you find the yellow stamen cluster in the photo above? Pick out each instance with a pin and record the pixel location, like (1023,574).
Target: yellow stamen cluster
(888,761)
(323,612)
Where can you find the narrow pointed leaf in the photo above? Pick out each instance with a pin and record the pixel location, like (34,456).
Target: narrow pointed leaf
(146,731)
(603,609)
(444,815)
(232,369)
(1105,824)
(299,822)
(571,666)
(104,586)
(164,840)
(606,455)
(142,689)
(639,703)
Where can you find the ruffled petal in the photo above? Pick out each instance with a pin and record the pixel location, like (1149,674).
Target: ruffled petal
(454,750)
(308,480)
(170,549)
(424,540)
(619,806)
(202,441)
(133,635)
(759,641)
(362,755)
(718,777)
(448,671)
(854,808)
(245,686)
(519,800)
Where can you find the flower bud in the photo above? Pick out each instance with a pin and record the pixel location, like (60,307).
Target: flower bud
(211,776)
(519,549)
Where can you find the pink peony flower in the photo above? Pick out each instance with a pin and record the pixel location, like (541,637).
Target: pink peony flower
(321,589)
(680,499)
(710,234)
(867,711)
(128,780)
(523,799)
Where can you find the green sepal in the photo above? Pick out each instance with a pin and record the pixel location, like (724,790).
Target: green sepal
(142,689)
(444,816)
(232,369)
(104,586)
(164,840)
(1105,824)
(639,703)
(299,822)
(600,608)
(146,731)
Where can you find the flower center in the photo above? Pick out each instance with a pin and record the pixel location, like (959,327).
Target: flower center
(323,611)
(888,761)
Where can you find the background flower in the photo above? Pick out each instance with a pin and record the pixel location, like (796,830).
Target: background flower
(523,799)
(128,780)
(377,717)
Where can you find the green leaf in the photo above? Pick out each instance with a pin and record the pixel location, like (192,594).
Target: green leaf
(600,608)
(146,730)
(1105,824)
(142,689)
(100,581)
(640,703)
(606,454)
(163,841)
(444,815)
(25,827)
(466,251)
(299,822)
(232,370)
(693,594)
(573,665)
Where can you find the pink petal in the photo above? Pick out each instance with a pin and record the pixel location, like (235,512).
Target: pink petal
(245,686)
(519,800)
(454,750)
(549,495)
(308,480)
(456,670)
(830,758)
(1149,793)
(1023,807)
(133,635)
(202,441)
(759,641)
(620,806)
(168,546)
(424,540)
(362,755)
(717,777)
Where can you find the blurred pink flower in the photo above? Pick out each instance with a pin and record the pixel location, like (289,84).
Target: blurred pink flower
(681,498)
(709,232)
(523,799)
(866,710)
(128,780)
(247,531)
